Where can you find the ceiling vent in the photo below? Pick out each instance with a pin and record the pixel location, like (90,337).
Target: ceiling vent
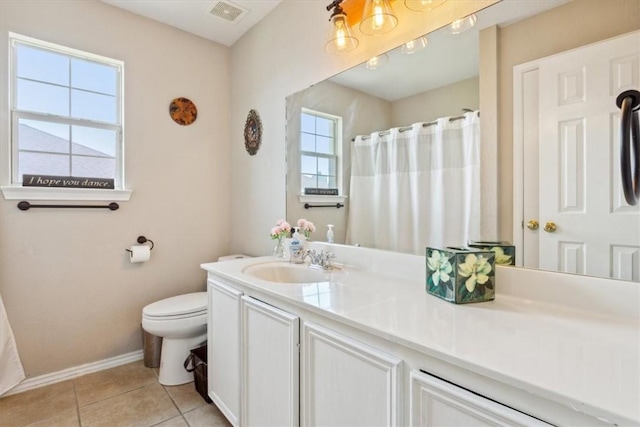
(228,11)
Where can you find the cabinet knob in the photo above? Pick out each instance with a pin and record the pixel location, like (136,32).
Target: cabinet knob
(550,227)
(532,225)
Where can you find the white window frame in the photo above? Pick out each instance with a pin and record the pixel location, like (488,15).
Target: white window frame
(341,197)
(11,185)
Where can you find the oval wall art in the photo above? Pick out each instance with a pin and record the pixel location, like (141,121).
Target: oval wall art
(252,132)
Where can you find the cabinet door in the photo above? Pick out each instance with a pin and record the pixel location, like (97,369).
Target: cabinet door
(224,349)
(270,365)
(347,383)
(436,403)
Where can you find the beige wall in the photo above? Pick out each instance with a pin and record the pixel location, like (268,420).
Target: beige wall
(71,295)
(575,24)
(441,102)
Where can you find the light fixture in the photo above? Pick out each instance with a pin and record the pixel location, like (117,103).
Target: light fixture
(411,47)
(461,25)
(377,18)
(340,38)
(377,62)
(422,5)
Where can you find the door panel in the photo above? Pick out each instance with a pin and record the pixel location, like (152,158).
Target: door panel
(578,153)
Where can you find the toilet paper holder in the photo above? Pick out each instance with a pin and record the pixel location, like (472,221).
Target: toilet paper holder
(142,240)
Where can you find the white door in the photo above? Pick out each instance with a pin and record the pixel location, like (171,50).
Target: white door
(347,383)
(224,349)
(270,365)
(436,403)
(596,232)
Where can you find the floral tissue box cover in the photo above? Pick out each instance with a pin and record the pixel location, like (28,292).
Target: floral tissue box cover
(461,275)
(505,251)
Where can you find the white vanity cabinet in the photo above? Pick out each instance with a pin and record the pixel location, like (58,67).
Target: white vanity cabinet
(356,353)
(270,365)
(347,383)
(253,359)
(435,403)
(223,349)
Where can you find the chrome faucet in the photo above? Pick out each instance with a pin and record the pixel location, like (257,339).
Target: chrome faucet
(321,260)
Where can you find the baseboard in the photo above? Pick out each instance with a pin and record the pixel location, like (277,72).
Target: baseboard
(76,371)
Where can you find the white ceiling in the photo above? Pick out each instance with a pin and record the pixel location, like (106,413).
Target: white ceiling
(430,68)
(193,16)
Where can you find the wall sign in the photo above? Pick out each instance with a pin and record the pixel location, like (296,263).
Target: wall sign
(66,181)
(252,132)
(321,191)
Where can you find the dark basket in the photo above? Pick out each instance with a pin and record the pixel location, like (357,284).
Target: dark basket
(198,361)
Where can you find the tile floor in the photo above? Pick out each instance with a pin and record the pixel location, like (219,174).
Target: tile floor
(128,395)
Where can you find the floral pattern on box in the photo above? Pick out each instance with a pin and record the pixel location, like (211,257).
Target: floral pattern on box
(505,251)
(461,275)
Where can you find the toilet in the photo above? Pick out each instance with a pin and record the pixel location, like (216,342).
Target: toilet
(181,321)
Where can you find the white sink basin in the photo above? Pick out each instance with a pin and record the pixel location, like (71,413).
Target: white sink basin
(283,272)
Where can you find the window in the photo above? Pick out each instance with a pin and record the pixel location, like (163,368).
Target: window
(66,113)
(320,144)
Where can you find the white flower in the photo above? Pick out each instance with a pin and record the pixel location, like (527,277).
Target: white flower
(477,270)
(501,258)
(440,265)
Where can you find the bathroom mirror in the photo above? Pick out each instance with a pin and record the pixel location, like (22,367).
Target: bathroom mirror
(461,79)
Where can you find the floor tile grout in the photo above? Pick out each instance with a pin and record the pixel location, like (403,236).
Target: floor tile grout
(78,388)
(174,404)
(75,393)
(114,395)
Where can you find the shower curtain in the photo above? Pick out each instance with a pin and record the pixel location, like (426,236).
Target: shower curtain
(11,371)
(416,187)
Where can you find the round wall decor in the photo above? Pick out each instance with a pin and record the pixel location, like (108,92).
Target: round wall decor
(252,132)
(183,111)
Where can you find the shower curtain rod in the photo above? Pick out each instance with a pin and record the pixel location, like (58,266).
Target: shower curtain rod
(406,128)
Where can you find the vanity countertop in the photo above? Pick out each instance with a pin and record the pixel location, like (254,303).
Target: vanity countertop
(583,355)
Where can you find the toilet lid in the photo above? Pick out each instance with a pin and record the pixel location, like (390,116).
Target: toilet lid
(178,305)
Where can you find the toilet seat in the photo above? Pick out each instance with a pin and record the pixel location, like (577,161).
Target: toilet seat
(178,307)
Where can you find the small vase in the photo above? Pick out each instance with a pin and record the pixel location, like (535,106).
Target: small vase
(278,250)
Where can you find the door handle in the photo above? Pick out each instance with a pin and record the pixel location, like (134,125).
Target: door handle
(549,227)
(533,225)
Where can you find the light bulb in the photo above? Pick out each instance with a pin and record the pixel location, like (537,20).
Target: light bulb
(376,62)
(460,25)
(413,46)
(340,38)
(377,18)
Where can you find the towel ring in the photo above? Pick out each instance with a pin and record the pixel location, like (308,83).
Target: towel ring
(629,104)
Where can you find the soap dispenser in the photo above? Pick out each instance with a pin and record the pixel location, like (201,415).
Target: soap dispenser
(295,248)
(330,233)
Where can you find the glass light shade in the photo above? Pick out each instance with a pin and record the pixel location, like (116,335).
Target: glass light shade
(377,62)
(411,47)
(422,5)
(461,25)
(377,18)
(340,39)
